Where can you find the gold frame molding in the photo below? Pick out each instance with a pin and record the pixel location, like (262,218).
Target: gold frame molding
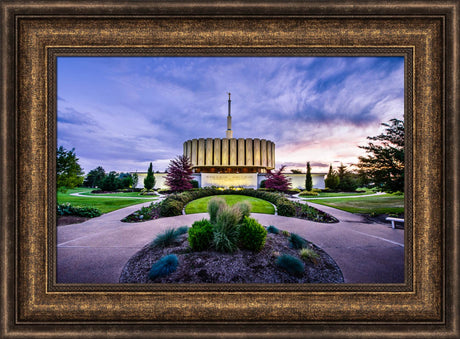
(33,35)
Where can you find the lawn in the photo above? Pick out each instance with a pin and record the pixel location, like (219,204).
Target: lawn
(381,204)
(258,205)
(339,194)
(119,194)
(104,204)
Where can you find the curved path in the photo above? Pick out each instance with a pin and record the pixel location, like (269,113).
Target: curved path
(96,251)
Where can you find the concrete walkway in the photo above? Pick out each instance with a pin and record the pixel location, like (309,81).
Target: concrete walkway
(96,251)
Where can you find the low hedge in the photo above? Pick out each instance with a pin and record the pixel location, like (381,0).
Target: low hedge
(68,209)
(175,203)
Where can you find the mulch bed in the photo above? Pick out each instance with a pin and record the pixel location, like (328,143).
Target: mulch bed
(63,220)
(243,266)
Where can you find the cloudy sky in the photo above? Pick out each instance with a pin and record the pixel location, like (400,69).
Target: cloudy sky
(123,112)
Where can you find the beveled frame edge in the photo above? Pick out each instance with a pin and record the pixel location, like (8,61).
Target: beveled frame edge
(54,52)
(451,216)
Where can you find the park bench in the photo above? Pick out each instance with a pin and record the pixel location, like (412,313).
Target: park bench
(393,220)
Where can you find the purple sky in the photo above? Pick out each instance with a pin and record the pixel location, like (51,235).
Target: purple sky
(123,112)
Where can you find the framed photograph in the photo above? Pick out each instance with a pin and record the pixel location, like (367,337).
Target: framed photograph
(36,38)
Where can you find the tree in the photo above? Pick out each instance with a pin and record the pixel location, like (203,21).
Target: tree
(296,171)
(384,164)
(332,180)
(94,177)
(69,172)
(111,182)
(126,180)
(347,182)
(308,179)
(277,180)
(179,174)
(135,180)
(149,181)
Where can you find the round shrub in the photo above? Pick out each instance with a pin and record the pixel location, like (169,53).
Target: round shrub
(165,239)
(286,209)
(171,208)
(200,235)
(290,264)
(164,266)
(252,235)
(272,229)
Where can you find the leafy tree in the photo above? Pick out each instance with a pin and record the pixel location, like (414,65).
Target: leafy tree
(308,179)
(94,177)
(126,180)
(149,181)
(135,178)
(277,180)
(69,172)
(179,174)
(332,180)
(384,164)
(111,182)
(296,171)
(347,181)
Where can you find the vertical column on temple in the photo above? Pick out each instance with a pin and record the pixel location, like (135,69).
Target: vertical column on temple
(241,152)
(273,154)
(209,155)
(217,150)
(263,152)
(201,152)
(232,152)
(189,150)
(249,159)
(269,154)
(194,152)
(185,149)
(256,152)
(225,152)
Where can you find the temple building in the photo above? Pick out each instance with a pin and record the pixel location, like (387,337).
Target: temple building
(234,162)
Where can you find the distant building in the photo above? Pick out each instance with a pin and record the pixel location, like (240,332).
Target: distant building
(233,162)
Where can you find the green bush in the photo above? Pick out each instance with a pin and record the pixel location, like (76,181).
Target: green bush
(273,229)
(164,266)
(252,235)
(165,239)
(309,254)
(200,236)
(290,264)
(293,191)
(214,205)
(297,241)
(195,184)
(226,230)
(308,194)
(171,208)
(86,212)
(286,209)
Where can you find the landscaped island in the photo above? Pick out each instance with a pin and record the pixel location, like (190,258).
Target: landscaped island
(230,247)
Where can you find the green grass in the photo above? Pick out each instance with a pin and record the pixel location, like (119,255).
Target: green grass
(338,194)
(105,205)
(381,204)
(258,205)
(119,194)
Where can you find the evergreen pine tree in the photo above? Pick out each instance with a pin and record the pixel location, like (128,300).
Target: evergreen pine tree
(149,181)
(308,180)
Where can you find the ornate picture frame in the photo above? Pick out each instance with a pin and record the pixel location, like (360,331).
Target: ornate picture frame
(33,36)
